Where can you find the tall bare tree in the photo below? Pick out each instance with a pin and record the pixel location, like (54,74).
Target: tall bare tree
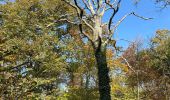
(89,19)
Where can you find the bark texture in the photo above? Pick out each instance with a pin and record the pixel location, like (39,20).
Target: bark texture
(103,73)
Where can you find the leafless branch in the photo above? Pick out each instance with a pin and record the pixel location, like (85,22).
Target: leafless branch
(114,13)
(86,4)
(80,16)
(66,15)
(122,19)
(128,64)
(144,18)
(108,3)
(94,3)
(102,12)
(86,23)
(89,6)
(86,35)
(126,40)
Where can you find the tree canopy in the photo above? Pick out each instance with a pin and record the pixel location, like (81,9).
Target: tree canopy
(62,50)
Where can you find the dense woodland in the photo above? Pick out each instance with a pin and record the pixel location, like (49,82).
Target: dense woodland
(58,50)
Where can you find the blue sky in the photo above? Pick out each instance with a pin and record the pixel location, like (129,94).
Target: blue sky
(134,28)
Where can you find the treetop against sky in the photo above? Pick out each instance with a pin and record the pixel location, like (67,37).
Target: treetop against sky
(133,27)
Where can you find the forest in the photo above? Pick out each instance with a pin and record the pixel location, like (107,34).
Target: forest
(69,50)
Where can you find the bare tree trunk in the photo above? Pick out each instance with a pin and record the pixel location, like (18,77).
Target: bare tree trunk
(103,73)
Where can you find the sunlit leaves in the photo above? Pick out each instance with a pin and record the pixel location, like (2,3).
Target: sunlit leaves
(152,65)
(28,47)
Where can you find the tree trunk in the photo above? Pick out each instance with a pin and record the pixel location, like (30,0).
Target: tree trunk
(103,73)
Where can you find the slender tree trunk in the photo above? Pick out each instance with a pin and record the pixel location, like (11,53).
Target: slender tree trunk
(103,73)
(87,81)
